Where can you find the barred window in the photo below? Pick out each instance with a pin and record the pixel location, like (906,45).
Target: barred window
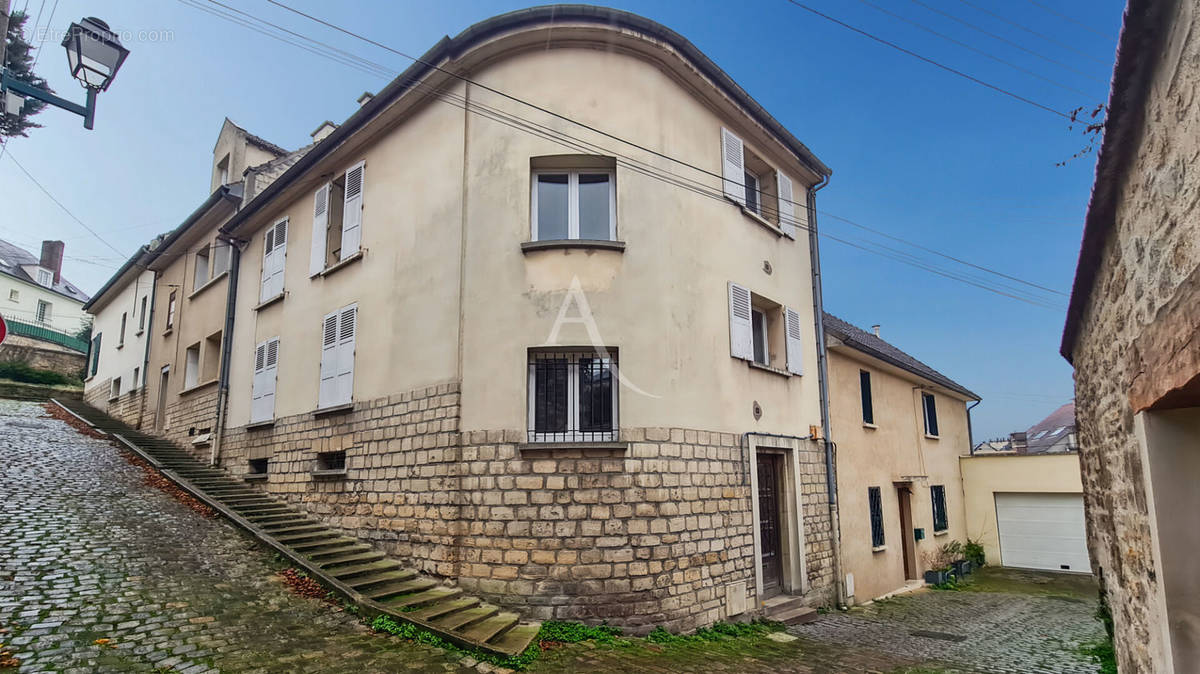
(876,501)
(572,396)
(937,494)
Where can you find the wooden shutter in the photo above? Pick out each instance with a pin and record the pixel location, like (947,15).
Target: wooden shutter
(733,166)
(347,320)
(741,333)
(270,367)
(795,346)
(278,257)
(352,210)
(264,292)
(327,393)
(787,209)
(316,261)
(256,384)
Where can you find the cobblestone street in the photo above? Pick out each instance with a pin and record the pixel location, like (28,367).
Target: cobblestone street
(1015,628)
(103,573)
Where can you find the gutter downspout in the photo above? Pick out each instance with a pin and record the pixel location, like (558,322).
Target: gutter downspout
(970,433)
(823,381)
(149,336)
(235,259)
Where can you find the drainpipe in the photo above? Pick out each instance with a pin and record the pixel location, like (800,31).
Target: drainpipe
(235,259)
(823,381)
(149,332)
(970,433)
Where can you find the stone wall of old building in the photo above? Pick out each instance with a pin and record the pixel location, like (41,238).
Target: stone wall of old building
(1149,260)
(127,407)
(42,355)
(643,535)
(190,416)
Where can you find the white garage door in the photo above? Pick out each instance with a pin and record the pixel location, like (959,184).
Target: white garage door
(1042,531)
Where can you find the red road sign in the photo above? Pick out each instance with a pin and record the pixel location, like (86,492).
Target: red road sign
(3,330)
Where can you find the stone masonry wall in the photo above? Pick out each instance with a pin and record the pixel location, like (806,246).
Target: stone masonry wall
(189,415)
(639,537)
(126,408)
(42,355)
(1150,254)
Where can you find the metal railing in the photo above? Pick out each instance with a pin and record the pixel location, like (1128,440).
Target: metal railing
(45,334)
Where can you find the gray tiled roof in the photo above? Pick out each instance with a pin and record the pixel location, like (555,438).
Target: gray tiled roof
(12,258)
(1052,430)
(871,345)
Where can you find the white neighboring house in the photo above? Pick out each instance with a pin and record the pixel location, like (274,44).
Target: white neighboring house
(32,289)
(121,311)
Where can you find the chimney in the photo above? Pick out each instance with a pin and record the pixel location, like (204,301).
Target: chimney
(365,98)
(327,127)
(1018,442)
(52,255)
(875,329)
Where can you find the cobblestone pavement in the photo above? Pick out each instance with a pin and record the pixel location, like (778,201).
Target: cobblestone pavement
(991,632)
(91,553)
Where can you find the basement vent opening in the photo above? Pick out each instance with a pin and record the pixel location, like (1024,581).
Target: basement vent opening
(258,466)
(330,464)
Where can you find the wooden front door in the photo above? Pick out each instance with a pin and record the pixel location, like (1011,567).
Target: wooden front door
(907,544)
(769,523)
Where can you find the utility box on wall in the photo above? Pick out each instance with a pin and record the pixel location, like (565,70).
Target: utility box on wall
(735,598)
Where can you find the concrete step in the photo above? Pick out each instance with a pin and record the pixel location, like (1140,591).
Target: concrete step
(516,639)
(365,583)
(443,606)
(357,557)
(352,548)
(796,616)
(460,619)
(346,572)
(484,630)
(392,593)
(430,597)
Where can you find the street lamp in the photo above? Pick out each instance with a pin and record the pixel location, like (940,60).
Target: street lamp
(94,54)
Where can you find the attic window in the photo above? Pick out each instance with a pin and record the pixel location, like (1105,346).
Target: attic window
(223,171)
(45,277)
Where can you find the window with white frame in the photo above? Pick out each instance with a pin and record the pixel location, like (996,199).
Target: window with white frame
(43,312)
(338,331)
(756,186)
(191,366)
(200,271)
(764,332)
(262,387)
(337,219)
(929,405)
(574,204)
(14,295)
(114,388)
(572,395)
(142,315)
(45,277)
(274,254)
(136,381)
(171,303)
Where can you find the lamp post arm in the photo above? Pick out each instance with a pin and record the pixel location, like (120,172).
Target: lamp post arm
(87,111)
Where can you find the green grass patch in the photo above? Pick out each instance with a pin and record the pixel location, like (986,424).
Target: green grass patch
(20,372)
(717,632)
(1103,654)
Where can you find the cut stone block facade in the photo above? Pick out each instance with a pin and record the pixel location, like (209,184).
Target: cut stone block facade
(127,407)
(647,534)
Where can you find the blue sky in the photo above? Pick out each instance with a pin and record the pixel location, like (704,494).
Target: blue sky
(917,152)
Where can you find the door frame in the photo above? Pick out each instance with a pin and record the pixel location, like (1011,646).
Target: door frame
(777,461)
(793,563)
(908,541)
(160,407)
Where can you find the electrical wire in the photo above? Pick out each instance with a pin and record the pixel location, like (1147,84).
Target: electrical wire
(1008,42)
(1071,19)
(964,45)
(914,54)
(45,34)
(577,144)
(1031,31)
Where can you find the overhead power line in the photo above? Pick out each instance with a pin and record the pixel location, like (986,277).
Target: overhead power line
(1008,42)
(474,106)
(926,59)
(45,34)
(977,50)
(1031,31)
(60,205)
(1071,19)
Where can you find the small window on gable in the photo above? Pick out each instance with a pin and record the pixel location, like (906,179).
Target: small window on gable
(45,277)
(868,406)
(223,171)
(929,405)
(573,198)
(338,219)
(200,271)
(758,187)
(763,331)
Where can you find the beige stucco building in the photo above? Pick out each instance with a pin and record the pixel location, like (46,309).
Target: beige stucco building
(900,427)
(568,360)
(1132,333)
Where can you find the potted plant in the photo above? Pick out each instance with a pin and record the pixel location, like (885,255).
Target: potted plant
(939,567)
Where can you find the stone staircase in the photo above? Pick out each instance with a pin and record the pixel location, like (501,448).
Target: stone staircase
(365,576)
(789,610)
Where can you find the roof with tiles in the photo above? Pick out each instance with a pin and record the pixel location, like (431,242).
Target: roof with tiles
(868,343)
(13,258)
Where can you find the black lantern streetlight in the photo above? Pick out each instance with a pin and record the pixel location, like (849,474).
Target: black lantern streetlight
(94,54)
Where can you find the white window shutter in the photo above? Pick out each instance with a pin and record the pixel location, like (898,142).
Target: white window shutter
(345,353)
(264,291)
(795,345)
(741,333)
(327,393)
(733,166)
(316,261)
(787,209)
(270,368)
(352,210)
(256,385)
(278,258)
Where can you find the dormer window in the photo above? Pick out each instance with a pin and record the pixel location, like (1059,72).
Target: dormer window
(223,171)
(45,277)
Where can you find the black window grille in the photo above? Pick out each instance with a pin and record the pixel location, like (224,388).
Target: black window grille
(864,383)
(938,495)
(930,405)
(572,396)
(876,500)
